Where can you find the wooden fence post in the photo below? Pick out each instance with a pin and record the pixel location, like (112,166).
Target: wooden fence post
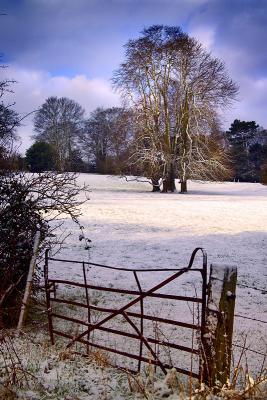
(218,332)
(28,287)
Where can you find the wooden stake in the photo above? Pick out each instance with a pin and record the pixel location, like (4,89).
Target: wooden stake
(217,338)
(29,282)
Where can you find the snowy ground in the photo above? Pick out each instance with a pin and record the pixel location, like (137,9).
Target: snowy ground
(131,227)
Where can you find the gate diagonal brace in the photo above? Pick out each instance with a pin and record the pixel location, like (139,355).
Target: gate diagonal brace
(143,339)
(143,295)
(50,286)
(130,304)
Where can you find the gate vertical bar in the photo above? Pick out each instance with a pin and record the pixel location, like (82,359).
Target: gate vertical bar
(203,312)
(141,320)
(88,305)
(47,293)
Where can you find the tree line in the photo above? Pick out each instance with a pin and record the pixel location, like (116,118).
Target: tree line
(173,93)
(107,142)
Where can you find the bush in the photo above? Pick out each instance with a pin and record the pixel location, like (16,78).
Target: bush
(19,222)
(29,202)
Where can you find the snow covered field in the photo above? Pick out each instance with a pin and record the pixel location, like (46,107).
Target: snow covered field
(131,227)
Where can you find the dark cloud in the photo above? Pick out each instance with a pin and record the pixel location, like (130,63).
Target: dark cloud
(241,28)
(46,41)
(83,35)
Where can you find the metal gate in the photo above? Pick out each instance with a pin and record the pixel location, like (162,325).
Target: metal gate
(57,300)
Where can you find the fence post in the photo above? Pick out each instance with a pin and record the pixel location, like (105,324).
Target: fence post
(28,286)
(218,331)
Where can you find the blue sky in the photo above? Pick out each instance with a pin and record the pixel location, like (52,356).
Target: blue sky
(71,48)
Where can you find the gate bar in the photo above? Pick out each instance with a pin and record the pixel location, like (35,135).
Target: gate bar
(126,354)
(149,317)
(131,335)
(125,269)
(125,291)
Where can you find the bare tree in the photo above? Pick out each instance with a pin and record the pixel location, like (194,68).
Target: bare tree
(106,137)
(4,82)
(176,89)
(58,123)
(9,122)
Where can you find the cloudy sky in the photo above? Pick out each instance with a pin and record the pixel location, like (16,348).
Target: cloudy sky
(71,48)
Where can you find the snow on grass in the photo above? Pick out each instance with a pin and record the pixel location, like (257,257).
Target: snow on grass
(131,227)
(42,372)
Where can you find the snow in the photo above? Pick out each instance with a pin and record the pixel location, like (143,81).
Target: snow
(131,227)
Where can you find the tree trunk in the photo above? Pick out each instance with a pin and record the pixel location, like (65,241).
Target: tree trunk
(183,186)
(169,182)
(2,325)
(155,184)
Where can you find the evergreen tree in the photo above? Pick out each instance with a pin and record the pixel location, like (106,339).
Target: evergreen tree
(240,137)
(40,157)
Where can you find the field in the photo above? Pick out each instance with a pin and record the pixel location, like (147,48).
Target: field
(131,227)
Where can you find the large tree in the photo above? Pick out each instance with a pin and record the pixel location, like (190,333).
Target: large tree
(176,89)
(58,122)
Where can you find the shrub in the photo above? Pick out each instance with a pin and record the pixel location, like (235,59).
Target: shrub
(29,202)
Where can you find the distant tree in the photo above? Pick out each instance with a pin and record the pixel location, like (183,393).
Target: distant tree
(241,133)
(257,158)
(246,153)
(106,137)
(9,122)
(40,157)
(76,163)
(263,174)
(176,89)
(260,137)
(58,122)
(21,164)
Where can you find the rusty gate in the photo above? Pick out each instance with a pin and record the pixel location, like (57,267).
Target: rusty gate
(87,340)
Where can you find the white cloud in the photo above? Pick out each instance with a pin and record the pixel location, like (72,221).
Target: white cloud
(252,102)
(33,87)
(204,34)
(252,97)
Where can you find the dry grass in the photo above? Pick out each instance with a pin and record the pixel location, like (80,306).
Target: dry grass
(31,369)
